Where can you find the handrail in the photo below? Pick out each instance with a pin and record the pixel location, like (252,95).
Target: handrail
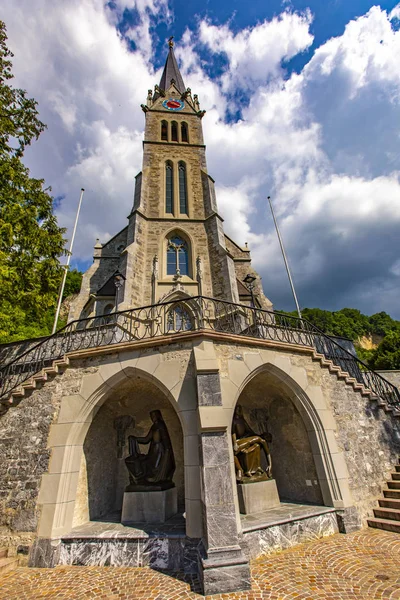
(187,315)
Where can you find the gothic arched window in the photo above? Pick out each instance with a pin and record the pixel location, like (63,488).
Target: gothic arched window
(169,187)
(184,132)
(177,256)
(174,131)
(164,130)
(178,319)
(183,203)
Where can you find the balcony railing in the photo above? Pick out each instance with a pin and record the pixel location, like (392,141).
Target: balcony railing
(184,316)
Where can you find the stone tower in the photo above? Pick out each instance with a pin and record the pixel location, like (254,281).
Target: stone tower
(174,245)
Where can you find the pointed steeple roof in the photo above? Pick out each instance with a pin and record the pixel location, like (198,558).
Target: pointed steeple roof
(171,71)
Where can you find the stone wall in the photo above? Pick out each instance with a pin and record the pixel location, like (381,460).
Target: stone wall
(25,457)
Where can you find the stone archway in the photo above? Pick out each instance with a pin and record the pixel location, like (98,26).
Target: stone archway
(316,419)
(103,475)
(269,406)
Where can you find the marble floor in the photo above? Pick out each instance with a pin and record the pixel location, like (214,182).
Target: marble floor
(110,526)
(285,513)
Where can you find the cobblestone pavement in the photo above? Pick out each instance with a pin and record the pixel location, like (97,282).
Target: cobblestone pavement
(364,565)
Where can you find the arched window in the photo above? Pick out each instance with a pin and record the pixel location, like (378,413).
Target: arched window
(183,204)
(174,131)
(107,316)
(178,319)
(184,132)
(164,130)
(177,256)
(169,187)
(108,309)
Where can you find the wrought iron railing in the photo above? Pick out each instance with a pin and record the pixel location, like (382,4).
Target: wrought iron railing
(188,315)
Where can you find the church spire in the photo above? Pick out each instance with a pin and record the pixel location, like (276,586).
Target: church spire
(171,70)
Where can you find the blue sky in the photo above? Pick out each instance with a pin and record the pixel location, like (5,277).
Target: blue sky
(303,104)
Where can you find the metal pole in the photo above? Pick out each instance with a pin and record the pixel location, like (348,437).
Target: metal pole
(284,258)
(66,266)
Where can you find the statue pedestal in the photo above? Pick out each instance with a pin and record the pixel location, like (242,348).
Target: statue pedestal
(258,496)
(149,507)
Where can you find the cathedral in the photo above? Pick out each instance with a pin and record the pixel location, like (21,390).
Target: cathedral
(174,244)
(178,421)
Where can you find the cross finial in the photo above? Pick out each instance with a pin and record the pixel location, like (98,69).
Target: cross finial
(170,42)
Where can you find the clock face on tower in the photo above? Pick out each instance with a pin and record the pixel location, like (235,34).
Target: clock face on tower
(173,104)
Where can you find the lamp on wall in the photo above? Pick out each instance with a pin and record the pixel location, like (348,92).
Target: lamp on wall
(249,281)
(118,282)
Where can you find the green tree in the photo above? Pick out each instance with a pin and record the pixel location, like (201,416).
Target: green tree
(72,283)
(387,355)
(382,323)
(31,242)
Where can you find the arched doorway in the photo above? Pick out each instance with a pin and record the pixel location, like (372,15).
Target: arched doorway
(271,406)
(103,474)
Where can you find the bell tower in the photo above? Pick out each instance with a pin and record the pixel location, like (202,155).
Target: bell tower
(174,245)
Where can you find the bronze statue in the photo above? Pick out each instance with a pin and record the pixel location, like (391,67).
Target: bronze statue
(247,450)
(154,470)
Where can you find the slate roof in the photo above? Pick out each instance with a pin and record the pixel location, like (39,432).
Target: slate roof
(171,71)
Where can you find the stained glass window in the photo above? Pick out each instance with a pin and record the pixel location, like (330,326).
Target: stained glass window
(177,257)
(178,319)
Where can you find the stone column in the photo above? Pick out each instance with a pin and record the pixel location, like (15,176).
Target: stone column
(223,566)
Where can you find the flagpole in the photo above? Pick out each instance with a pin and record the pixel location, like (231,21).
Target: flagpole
(66,266)
(285,258)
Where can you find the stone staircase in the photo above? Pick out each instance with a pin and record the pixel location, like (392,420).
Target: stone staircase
(387,516)
(34,382)
(7,563)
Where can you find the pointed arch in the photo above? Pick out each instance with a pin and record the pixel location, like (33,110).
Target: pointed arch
(183,199)
(164,131)
(169,187)
(184,132)
(174,131)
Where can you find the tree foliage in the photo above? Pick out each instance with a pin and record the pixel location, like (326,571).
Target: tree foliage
(351,323)
(387,355)
(31,242)
(72,283)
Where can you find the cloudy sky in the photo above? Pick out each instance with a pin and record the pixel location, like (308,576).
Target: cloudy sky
(303,104)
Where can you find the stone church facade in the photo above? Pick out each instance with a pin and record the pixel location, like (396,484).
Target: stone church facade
(165,321)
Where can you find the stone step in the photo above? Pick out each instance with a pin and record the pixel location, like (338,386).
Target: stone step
(385,524)
(393,485)
(8,564)
(396,476)
(389,503)
(392,514)
(397,467)
(391,494)
(3,552)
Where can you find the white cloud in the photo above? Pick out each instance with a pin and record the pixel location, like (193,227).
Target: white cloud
(256,53)
(395,13)
(323,143)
